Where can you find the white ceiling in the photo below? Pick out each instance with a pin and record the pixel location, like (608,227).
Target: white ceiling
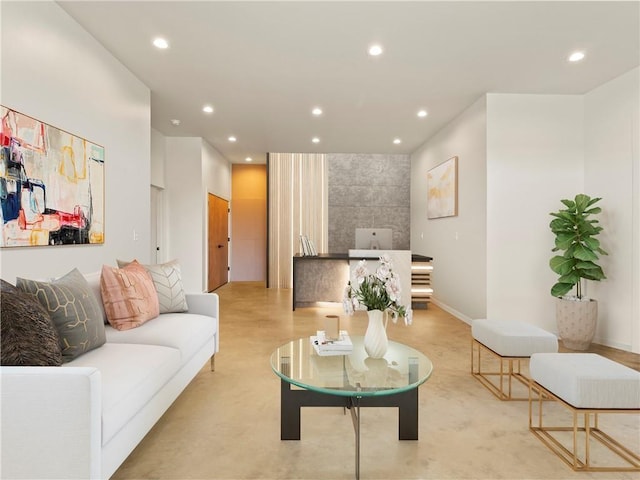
(264,65)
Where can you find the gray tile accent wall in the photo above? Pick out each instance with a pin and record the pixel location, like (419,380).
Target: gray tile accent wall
(368,191)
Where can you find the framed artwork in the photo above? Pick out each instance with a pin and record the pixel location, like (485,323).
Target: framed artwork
(442,189)
(51,185)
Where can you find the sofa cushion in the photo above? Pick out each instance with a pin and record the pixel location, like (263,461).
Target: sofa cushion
(128,294)
(131,376)
(513,338)
(185,331)
(167,281)
(587,380)
(74,310)
(28,336)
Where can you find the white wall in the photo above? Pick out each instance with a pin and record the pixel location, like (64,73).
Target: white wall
(55,71)
(457,244)
(539,149)
(193,168)
(158,155)
(612,167)
(216,172)
(183,196)
(534,159)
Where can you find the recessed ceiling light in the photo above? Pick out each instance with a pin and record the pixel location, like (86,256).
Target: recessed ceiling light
(315,140)
(207,109)
(160,42)
(422,113)
(175,122)
(375,50)
(576,56)
(317,111)
(232,138)
(248,159)
(397,141)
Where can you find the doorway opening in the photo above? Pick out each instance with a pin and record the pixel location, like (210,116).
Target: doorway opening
(218,242)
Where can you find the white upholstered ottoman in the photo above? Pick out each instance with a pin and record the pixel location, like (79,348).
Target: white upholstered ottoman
(587,384)
(510,342)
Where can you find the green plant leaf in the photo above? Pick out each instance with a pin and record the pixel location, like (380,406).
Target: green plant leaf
(561,265)
(582,202)
(593,211)
(592,243)
(594,200)
(568,203)
(586,265)
(593,274)
(571,278)
(602,252)
(560,289)
(583,253)
(564,240)
(587,229)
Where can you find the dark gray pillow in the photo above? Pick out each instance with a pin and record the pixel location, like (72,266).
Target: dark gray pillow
(74,310)
(6,287)
(28,336)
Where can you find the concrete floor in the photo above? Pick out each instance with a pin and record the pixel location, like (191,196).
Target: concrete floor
(226,424)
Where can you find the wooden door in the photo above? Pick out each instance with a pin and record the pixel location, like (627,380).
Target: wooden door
(218,240)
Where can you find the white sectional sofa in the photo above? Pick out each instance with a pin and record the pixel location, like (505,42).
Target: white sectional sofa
(83,419)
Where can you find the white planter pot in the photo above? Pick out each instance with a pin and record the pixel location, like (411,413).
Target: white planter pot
(576,322)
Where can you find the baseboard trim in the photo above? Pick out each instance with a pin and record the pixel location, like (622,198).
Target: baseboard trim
(452,311)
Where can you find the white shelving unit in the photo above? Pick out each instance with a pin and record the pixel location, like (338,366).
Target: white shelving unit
(421,290)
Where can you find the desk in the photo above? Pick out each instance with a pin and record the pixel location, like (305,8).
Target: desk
(350,381)
(323,278)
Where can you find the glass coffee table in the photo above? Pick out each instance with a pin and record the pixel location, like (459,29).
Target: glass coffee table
(350,381)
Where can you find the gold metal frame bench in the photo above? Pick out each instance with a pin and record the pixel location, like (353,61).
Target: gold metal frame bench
(506,370)
(590,429)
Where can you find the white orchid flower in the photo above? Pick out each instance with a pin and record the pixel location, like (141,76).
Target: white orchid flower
(361,272)
(408,317)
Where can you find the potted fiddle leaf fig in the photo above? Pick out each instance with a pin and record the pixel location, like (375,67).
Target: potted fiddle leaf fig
(575,230)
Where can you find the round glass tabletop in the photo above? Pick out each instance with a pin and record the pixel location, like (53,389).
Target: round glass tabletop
(354,374)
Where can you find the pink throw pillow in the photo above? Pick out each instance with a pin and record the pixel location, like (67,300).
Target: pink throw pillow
(129,296)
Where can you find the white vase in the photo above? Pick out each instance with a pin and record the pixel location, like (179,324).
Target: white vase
(375,338)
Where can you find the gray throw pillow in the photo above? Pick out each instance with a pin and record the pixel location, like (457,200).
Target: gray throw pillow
(28,336)
(167,281)
(74,310)
(6,287)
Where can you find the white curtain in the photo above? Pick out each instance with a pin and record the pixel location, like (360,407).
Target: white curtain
(298,205)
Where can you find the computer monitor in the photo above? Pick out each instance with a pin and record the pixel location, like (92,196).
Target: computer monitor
(374,239)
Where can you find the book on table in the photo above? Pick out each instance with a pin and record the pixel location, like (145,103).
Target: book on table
(323,346)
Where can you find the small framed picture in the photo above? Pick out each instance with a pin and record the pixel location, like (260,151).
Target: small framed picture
(442,189)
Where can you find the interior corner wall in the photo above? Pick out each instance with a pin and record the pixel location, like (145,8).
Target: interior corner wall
(612,170)
(534,159)
(193,168)
(54,71)
(158,152)
(457,244)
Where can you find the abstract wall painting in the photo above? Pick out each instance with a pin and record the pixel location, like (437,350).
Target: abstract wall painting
(442,189)
(51,185)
